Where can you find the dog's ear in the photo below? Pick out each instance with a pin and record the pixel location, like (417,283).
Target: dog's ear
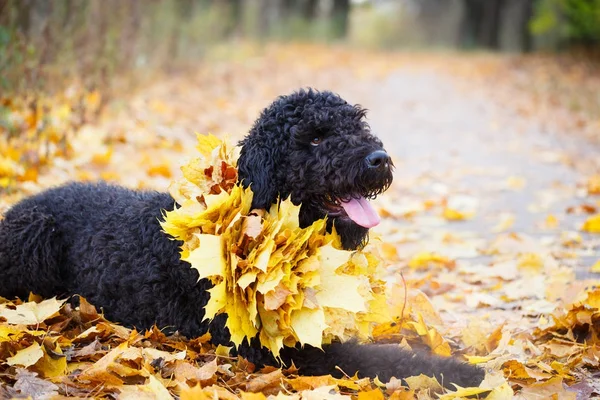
(256,168)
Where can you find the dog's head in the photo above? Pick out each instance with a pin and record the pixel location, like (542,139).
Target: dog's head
(316,148)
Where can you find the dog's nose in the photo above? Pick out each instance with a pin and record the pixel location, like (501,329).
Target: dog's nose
(378,159)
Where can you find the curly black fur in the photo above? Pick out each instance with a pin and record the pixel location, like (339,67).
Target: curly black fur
(105,242)
(279,159)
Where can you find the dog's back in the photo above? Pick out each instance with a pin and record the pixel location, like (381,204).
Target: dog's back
(30,250)
(98,240)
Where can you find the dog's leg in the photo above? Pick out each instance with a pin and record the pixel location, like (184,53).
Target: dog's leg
(30,253)
(381,360)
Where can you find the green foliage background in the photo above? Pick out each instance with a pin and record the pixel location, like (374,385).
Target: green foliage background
(45,43)
(575,22)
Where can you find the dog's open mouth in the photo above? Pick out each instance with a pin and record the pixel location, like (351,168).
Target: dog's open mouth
(357,208)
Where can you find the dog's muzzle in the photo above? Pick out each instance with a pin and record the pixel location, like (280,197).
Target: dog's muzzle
(378,160)
(355,205)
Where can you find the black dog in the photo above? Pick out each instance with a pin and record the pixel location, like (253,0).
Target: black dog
(105,242)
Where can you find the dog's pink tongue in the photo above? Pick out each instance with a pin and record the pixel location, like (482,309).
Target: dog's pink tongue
(361,212)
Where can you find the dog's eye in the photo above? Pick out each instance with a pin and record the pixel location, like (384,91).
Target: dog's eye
(316,140)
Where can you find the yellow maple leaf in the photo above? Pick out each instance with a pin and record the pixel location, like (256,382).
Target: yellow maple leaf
(150,354)
(479,359)
(389,251)
(252,396)
(403,395)
(592,224)
(208,393)
(593,185)
(505,222)
(328,291)
(431,337)
(102,370)
(515,182)
(103,158)
(324,393)
(514,369)
(52,365)
(451,214)
(423,382)
(462,393)
(272,278)
(154,389)
(9,167)
(207,144)
(208,258)
(308,326)
(553,388)
(530,262)
(162,169)
(27,356)
(211,173)
(425,260)
(31,313)
(593,298)
(92,99)
(551,222)
(500,392)
(562,370)
(9,333)
(374,394)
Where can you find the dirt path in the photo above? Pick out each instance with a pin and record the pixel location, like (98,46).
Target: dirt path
(483,159)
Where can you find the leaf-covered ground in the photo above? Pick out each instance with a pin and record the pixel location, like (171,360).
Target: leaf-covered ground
(490,234)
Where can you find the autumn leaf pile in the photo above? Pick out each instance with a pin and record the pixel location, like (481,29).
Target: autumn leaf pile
(36,129)
(48,348)
(51,350)
(272,278)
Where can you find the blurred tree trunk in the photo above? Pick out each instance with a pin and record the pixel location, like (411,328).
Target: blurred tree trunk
(37,26)
(97,40)
(525,32)
(264,20)
(490,27)
(131,26)
(68,13)
(481,23)
(340,14)
(470,25)
(184,11)
(24,16)
(4,13)
(286,9)
(235,14)
(309,9)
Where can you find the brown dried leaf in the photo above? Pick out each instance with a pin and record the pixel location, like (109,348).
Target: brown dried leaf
(29,384)
(301,383)
(185,371)
(553,388)
(31,313)
(266,381)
